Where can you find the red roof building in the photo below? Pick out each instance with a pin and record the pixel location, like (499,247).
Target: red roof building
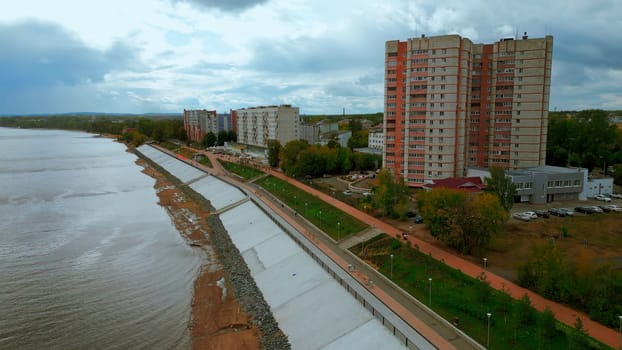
(468,184)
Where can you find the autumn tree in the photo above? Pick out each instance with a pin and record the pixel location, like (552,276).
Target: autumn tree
(274,149)
(390,195)
(464,221)
(502,186)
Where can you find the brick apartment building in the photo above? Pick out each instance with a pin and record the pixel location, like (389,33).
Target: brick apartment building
(451,104)
(199,122)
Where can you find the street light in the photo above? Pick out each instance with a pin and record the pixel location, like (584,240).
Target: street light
(391,266)
(485,262)
(620,341)
(338,230)
(430,297)
(488,339)
(306,209)
(320,219)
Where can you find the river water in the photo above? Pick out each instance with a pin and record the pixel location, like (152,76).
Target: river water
(88,259)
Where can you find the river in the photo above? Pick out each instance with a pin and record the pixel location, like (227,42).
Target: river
(88,259)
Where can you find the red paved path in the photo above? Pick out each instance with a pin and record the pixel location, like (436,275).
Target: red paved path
(563,313)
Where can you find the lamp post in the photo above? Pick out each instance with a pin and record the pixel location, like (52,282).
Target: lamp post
(391,266)
(488,338)
(485,262)
(295,201)
(338,230)
(430,294)
(620,331)
(306,209)
(320,219)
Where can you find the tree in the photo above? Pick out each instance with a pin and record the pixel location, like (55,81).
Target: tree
(232,136)
(502,186)
(209,140)
(289,156)
(463,221)
(274,148)
(222,137)
(390,196)
(546,323)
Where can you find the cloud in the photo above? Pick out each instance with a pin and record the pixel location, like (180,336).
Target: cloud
(225,5)
(41,59)
(43,54)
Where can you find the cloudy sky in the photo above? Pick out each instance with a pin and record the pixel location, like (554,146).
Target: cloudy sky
(144,56)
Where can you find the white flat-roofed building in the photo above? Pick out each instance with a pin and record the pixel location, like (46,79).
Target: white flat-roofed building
(375,137)
(257,125)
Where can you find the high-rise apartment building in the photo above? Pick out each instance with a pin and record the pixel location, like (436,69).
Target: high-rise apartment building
(199,122)
(257,125)
(451,104)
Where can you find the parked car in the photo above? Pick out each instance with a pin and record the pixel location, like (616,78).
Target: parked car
(555,211)
(367,194)
(612,207)
(584,210)
(602,197)
(596,209)
(605,208)
(521,216)
(566,212)
(418,219)
(410,214)
(616,195)
(347,192)
(542,214)
(532,214)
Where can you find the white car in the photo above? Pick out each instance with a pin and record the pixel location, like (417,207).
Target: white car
(602,197)
(347,193)
(613,207)
(521,216)
(616,195)
(531,214)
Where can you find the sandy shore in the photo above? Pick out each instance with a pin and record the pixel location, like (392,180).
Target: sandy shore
(218,320)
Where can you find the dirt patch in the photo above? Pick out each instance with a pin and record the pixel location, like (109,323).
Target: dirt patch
(218,321)
(596,238)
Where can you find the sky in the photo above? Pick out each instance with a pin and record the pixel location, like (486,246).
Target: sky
(163,56)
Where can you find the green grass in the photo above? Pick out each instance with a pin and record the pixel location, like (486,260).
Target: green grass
(241,170)
(329,219)
(169,146)
(456,295)
(206,161)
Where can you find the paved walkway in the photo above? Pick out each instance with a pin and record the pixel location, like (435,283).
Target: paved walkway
(563,313)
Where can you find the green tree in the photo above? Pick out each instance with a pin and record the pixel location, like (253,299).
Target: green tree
(222,137)
(546,323)
(209,140)
(274,148)
(289,156)
(502,186)
(232,136)
(525,313)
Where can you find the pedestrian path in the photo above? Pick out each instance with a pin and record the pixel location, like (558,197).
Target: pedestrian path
(359,238)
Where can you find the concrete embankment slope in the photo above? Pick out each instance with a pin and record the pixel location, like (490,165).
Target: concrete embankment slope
(311,307)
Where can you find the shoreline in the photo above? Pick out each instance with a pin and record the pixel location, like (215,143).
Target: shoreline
(218,320)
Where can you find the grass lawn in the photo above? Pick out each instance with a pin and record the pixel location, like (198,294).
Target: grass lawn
(329,219)
(242,170)
(455,295)
(169,146)
(206,161)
